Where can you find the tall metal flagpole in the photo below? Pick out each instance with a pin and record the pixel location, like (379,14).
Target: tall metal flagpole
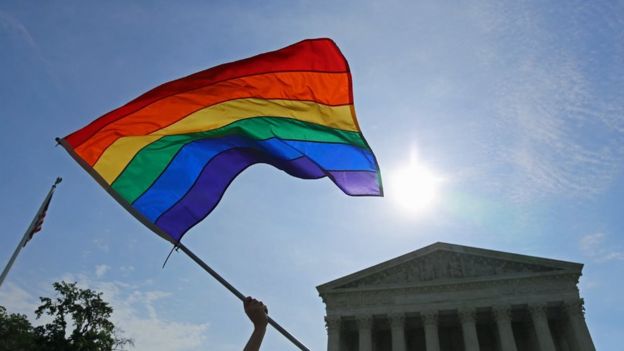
(30,231)
(238,294)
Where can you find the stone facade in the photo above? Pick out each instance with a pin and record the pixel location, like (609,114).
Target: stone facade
(447,297)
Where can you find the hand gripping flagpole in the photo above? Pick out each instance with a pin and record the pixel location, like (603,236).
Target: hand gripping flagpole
(238,294)
(32,228)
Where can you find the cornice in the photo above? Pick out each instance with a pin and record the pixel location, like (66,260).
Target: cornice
(465,283)
(496,292)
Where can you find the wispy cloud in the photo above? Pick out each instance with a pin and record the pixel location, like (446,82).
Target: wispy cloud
(125,270)
(18,300)
(11,24)
(18,33)
(135,312)
(18,40)
(101,269)
(102,244)
(151,331)
(546,95)
(548,153)
(596,247)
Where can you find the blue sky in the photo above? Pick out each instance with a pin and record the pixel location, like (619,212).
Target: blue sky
(517,105)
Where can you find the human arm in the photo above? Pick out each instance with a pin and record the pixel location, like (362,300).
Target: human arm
(257,313)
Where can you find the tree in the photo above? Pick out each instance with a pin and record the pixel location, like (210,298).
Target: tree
(16,332)
(80,322)
(92,329)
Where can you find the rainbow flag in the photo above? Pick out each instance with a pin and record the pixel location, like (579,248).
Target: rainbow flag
(169,155)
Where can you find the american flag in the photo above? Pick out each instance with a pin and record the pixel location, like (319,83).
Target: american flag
(37,222)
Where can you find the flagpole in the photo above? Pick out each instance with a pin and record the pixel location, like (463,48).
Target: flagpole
(165,236)
(238,294)
(28,232)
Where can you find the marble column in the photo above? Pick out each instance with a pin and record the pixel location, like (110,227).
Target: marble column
(502,315)
(576,320)
(333,333)
(397,327)
(365,332)
(430,321)
(469,329)
(542,329)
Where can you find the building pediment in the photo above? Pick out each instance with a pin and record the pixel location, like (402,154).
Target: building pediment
(448,263)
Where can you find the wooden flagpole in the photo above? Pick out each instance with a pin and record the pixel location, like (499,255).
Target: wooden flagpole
(238,294)
(29,231)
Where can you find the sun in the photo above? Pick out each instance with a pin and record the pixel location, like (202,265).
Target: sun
(415,187)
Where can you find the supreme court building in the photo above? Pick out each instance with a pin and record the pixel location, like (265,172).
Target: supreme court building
(447,297)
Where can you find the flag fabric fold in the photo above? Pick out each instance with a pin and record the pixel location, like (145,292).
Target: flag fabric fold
(169,155)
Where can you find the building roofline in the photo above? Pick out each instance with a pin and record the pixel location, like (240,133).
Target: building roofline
(442,246)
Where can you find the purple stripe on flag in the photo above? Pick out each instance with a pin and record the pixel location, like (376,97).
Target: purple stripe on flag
(214,179)
(357,183)
(217,175)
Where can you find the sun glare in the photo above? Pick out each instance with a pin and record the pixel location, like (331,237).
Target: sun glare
(415,187)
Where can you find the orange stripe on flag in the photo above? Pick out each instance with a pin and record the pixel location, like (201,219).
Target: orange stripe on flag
(325,88)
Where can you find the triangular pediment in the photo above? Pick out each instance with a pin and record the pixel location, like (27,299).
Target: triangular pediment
(443,262)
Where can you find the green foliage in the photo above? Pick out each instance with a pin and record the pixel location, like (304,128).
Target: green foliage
(80,322)
(16,332)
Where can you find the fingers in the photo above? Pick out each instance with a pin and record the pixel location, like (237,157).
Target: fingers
(251,303)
